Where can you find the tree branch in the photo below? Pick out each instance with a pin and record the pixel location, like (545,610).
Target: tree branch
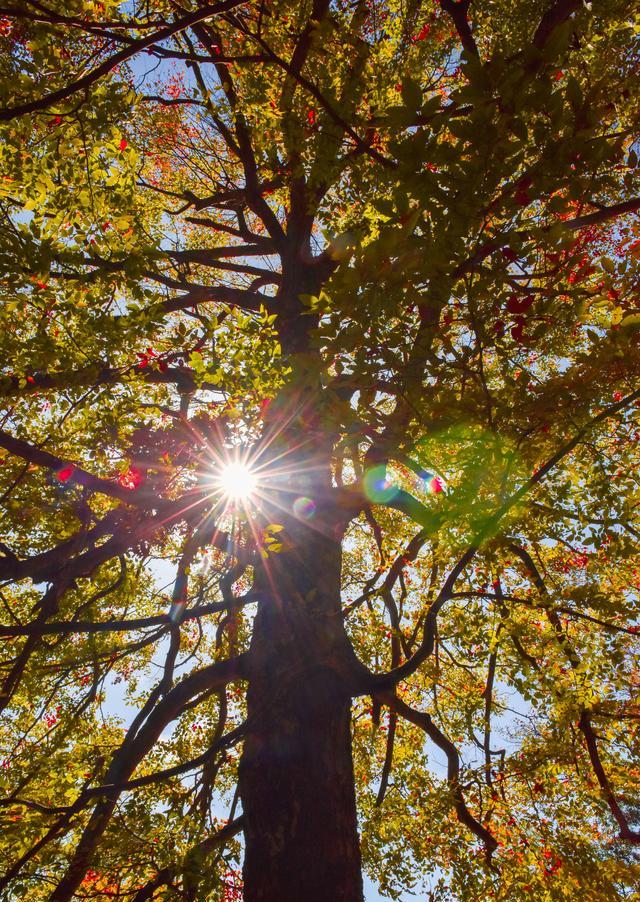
(380,682)
(626,833)
(555,16)
(75,475)
(457,10)
(84,83)
(425,723)
(131,753)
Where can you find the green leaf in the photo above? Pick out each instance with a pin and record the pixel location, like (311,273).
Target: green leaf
(411,93)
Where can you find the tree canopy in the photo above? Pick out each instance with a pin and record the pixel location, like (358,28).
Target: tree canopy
(319,449)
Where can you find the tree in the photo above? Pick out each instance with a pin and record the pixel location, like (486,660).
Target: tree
(320,449)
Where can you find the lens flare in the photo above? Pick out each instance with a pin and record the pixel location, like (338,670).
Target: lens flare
(304,508)
(378,487)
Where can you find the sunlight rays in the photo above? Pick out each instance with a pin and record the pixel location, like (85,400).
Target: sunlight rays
(238,481)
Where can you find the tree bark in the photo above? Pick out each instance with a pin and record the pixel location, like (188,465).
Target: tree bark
(296,771)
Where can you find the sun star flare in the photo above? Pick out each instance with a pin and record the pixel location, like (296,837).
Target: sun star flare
(237,481)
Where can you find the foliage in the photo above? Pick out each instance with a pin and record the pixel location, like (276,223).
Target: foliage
(396,239)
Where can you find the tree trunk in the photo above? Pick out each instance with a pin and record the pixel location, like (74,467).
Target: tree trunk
(296,771)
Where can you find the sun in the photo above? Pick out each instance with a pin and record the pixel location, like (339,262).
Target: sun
(237,481)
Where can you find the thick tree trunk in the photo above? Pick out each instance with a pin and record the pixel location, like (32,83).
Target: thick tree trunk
(296,771)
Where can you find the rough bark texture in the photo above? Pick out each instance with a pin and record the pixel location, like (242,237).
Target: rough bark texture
(296,772)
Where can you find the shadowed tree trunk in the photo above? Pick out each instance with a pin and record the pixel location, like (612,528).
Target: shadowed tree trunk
(296,771)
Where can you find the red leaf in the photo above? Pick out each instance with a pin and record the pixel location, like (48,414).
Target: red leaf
(517,304)
(509,254)
(517,331)
(131,479)
(424,31)
(521,194)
